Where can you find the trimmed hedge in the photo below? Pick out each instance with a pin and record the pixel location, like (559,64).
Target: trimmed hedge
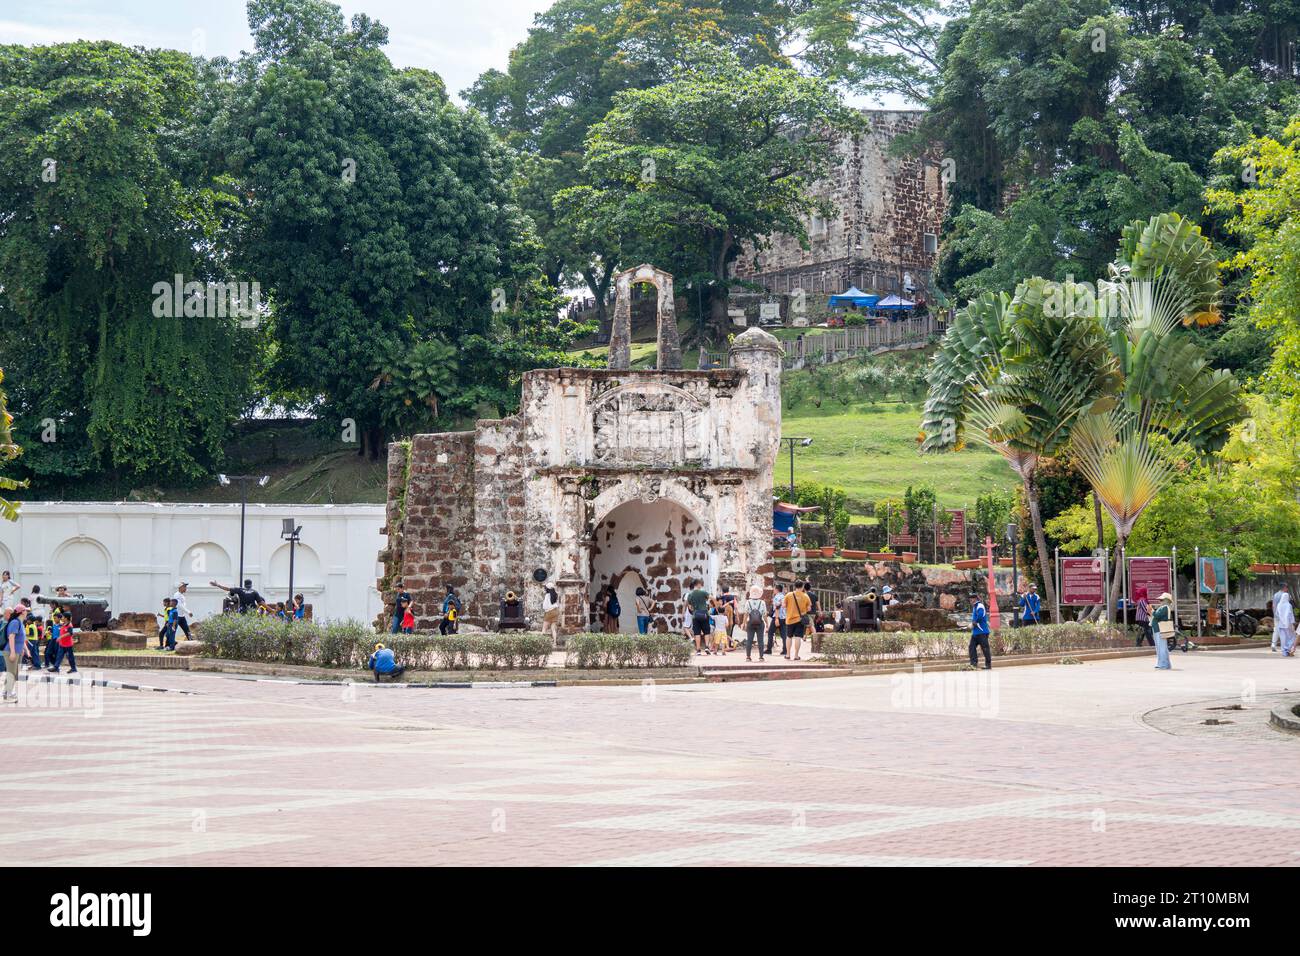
(626,650)
(349,644)
(873,648)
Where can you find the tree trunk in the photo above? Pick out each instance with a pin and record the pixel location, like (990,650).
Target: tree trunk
(718,319)
(1096,513)
(1117,585)
(1044,565)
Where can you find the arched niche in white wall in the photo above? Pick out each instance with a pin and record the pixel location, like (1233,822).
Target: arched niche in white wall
(307,574)
(204,562)
(7,562)
(84,566)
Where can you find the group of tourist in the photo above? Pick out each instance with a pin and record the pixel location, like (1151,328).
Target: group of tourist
(29,637)
(245,600)
(403,621)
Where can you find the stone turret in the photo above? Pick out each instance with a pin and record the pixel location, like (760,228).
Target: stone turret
(759,354)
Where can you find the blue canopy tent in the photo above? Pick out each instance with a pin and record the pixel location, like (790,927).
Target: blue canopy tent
(855,297)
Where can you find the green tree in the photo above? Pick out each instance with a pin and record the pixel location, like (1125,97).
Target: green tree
(719,156)
(1018,374)
(876,46)
(1264,213)
(1068,120)
(103,200)
(562,80)
(381,218)
(8,452)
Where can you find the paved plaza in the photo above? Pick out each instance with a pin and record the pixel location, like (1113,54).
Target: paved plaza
(1105,763)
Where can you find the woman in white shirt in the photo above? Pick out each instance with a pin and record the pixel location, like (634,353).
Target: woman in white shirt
(642,611)
(9,589)
(551,615)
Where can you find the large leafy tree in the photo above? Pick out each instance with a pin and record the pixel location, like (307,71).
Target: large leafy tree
(380,217)
(1066,120)
(876,46)
(562,80)
(1263,213)
(719,156)
(102,199)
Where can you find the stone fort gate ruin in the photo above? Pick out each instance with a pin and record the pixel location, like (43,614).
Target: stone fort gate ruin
(629,477)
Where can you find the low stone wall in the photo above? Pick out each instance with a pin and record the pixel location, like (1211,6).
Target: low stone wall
(920,589)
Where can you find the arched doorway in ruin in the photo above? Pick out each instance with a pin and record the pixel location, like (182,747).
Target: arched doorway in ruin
(657,545)
(620,335)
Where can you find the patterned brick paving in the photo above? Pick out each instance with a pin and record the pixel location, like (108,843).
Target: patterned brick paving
(1060,769)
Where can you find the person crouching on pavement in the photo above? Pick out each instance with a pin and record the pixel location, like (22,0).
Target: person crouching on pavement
(382,662)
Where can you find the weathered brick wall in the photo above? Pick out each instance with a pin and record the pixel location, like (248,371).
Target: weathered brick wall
(434,518)
(885,205)
(498,488)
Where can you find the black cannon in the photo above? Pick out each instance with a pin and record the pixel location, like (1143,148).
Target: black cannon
(87,614)
(863,612)
(511,616)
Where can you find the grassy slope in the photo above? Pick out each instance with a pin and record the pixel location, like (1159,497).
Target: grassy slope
(870,451)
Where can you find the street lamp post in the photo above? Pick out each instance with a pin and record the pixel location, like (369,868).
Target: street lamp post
(805,442)
(243,508)
(290,533)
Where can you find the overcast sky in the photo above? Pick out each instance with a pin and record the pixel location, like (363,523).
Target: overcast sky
(456,38)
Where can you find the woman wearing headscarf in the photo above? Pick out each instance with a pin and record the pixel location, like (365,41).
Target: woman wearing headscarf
(1284,621)
(1143,617)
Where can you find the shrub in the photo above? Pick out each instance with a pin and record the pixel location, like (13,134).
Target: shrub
(627,650)
(349,644)
(873,648)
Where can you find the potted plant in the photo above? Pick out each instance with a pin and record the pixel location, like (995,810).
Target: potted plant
(828,551)
(884,555)
(781,552)
(1006,562)
(909,557)
(854,555)
(967,564)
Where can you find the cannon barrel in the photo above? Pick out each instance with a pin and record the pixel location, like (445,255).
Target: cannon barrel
(70,601)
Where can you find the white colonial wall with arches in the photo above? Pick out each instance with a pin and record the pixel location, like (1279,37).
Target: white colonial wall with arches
(134,554)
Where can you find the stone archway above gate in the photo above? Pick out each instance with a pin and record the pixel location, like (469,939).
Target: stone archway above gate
(650,488)
(669,354)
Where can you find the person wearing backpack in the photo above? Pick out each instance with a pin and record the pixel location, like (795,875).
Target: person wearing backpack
(612,610)
(755,611)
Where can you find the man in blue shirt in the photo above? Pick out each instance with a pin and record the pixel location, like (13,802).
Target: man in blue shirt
(15,638)
(1031,606)
(383,662)
(979,635)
